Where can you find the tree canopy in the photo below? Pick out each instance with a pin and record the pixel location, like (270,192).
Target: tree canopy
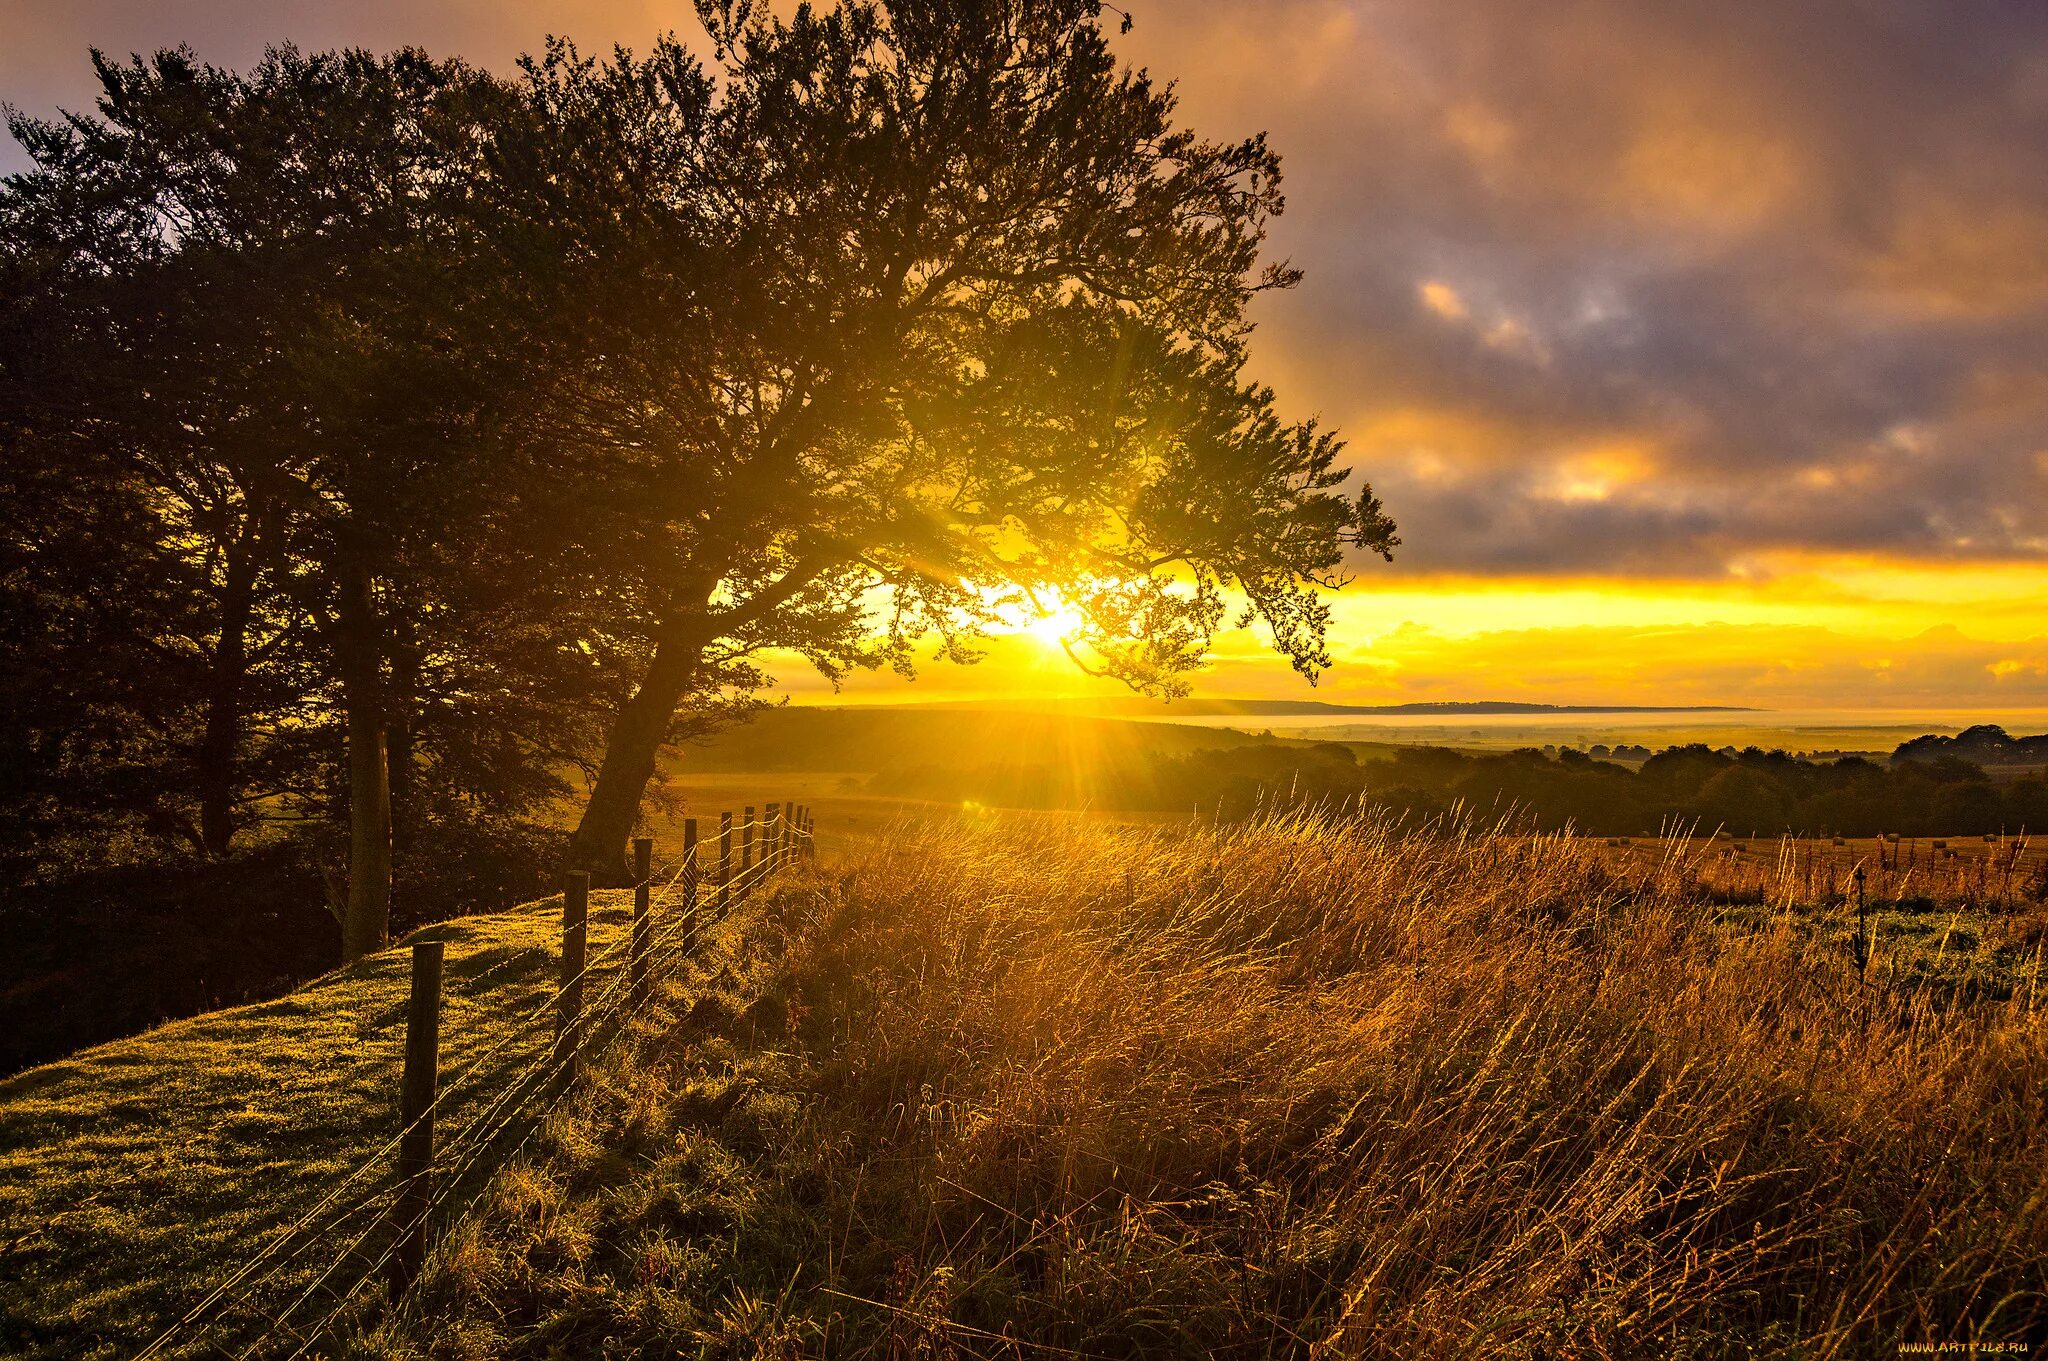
(962,323)
(384,433)
(251,322)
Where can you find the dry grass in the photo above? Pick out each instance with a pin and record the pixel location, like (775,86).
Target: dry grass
(1993,874)
(1294,1089)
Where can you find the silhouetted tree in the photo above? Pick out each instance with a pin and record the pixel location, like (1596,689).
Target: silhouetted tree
(140,562)
(961,321)
(294,382)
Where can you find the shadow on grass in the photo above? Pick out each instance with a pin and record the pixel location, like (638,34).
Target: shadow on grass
(137,1175)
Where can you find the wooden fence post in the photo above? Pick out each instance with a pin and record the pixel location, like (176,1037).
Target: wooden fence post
(643,898)
(723,903)
(416,1117)
(747,843)
(771,838)
(575,931)
(691,875)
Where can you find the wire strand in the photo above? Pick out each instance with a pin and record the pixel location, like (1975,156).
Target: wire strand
(531,1093)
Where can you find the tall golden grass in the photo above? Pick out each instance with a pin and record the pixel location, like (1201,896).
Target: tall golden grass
(1992,875)
(1307,1087)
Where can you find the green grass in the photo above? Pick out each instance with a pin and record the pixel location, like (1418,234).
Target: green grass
(1939,931)
(136,1175)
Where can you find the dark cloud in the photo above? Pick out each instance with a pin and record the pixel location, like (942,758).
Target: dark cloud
(1594,286)
(1793,258)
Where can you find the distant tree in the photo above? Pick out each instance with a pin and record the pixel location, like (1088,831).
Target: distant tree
(1985,744)
(959,322)
(1968,806)
(1745,801)
(1679,773)
(2026,806)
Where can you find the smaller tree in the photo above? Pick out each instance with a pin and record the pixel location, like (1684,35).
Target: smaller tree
(1743,801)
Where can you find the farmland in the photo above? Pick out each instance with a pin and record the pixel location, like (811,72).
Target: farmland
(1079,1085)
(1029,1086)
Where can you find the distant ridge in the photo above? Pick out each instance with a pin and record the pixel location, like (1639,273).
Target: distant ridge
(1204,708)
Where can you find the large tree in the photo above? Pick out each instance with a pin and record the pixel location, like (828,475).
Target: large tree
(965,324)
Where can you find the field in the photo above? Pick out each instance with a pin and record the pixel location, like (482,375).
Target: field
(1033,1088)
(1050,1085)
(1958,918)
(848,814)
(830,758)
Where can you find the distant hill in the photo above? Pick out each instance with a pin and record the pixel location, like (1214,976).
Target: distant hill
(1986,745)
(1139,706)
(882,736)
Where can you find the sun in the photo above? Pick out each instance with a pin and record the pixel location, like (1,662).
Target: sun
(1053,626)
(1040,618)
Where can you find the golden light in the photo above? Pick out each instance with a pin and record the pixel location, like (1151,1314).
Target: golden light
(1055,624)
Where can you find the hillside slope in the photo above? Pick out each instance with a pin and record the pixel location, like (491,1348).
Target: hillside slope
(1028,1085)
(137,1175)
(879,737)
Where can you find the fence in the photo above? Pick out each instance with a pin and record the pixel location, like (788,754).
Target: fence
(377,1224)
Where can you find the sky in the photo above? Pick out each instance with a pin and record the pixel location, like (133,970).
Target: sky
(1699,349)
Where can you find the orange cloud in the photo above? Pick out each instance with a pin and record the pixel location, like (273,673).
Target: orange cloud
(1954,257)
(1440,298)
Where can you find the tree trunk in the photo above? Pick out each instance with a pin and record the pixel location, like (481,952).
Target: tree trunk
(367,919)
(631,749)
(401,703)
(221,740)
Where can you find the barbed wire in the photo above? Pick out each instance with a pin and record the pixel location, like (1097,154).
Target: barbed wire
(509,1110)
(530,1094)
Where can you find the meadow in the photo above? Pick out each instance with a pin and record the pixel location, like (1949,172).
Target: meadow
(1029,1086)
(105,951)
(222,1185)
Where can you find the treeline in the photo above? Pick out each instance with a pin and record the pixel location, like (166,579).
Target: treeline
(1986,745)
(392,452)
(1747,792)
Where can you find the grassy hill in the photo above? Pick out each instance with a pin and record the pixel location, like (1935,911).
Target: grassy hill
(137,1175)
(1035,1085)
(878,737)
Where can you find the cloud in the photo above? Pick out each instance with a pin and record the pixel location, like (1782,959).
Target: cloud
(1769,665)
(1440,298)
(1769,242)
